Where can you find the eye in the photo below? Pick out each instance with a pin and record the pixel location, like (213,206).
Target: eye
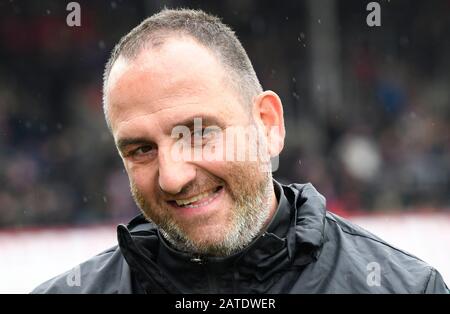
(203,136)
(142,151)
(199,137)
(198,133)
(212,133)
(209,132)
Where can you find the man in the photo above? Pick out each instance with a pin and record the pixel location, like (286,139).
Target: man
(177,90)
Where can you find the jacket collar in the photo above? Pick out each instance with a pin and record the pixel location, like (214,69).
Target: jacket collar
(293,237)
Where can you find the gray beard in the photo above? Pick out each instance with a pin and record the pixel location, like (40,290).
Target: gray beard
(250,214)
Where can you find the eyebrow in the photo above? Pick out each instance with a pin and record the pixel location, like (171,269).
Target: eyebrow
(188,122)
(206,121)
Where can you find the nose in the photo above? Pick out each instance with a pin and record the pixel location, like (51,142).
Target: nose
(173,175)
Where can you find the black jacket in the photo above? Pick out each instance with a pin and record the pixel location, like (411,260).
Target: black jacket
(305,249)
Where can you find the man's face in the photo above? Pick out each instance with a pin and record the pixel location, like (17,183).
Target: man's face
(203,206)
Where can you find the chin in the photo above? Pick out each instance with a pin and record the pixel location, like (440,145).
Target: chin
(209,244)
(210,239)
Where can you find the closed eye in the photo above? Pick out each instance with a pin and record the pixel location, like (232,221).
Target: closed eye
(144,151)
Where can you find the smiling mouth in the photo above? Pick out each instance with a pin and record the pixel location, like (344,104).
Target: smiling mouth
(199,200)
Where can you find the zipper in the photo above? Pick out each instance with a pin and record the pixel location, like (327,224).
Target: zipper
(212,282)
(197,260)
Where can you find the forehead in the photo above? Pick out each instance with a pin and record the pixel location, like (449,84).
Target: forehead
(179,77)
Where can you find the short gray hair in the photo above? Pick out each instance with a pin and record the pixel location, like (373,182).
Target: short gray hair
(206,29)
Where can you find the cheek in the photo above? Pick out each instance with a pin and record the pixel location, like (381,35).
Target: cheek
(233,173)
(142,178)
(219,169)
(244,145)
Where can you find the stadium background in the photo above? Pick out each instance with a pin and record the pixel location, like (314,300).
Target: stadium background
(367,114)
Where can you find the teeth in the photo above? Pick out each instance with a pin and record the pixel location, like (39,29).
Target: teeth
(193,199)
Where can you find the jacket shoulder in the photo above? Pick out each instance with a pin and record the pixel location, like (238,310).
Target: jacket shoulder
(103,273)
(365,254)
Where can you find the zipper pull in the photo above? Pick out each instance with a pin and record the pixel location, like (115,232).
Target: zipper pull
(197,260)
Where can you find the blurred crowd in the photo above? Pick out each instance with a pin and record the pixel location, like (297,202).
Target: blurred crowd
(383,146)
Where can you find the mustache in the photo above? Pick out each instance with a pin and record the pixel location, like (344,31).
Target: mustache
(195,187)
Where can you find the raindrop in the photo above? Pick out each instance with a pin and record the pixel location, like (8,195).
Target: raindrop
(113,4)
(319,21)
(104,199)
(85,199)
(294,79)
(48,12)
(101,44)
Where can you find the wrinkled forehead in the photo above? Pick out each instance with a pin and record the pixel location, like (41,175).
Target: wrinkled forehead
(162,86)
(178,73)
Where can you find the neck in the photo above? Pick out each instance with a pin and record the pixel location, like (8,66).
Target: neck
(273,209)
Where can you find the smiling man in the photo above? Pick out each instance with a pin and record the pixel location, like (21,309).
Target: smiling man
(213,219)
(200,206)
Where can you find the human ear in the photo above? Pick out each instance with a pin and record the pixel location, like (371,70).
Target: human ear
(268,113)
